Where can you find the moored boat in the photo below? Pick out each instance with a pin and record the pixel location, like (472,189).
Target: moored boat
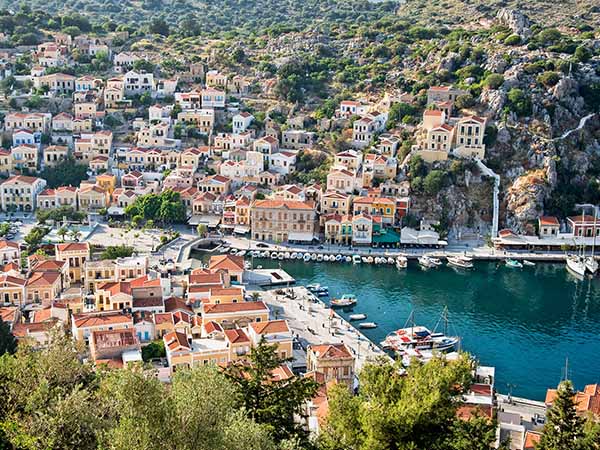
(401,262)
(338,258)
(460,262)
(576,265)
(513,264)
(344,301)
(356,259)
(357,316)
(428,262)
(591,264)
(528,263)
(348,259)
(367,325)
(319,257)
(306,257)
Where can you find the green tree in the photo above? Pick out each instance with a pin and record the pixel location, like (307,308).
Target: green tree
(519,102)
(269,401)
(66,173)
(62,232)
(412,411)
(434,181)
(117,251)
(35,236)
(8,343)
(493,81)
(201,229)
(563,429)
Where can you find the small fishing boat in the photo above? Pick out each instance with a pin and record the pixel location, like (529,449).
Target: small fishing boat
(513,264)
(401,262)
(306,257)
(247,265)
(528,263)
(367,325)
(233,251)
(390,260)
(286,255)
(591,264)
(357,316)
(319,257)
(274,255)
(242,253)
(313,256)
(356,259)
(344,301)
(339,258)
(369,260)
(348,259)
(576,265)
(293,255)
(428,262)
(280,256)
(460,262)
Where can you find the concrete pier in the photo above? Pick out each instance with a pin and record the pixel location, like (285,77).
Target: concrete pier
(315,323)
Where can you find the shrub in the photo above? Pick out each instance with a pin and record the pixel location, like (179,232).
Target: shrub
(493,81)
(513,39)
(548,79)
(464,101)
(519,103)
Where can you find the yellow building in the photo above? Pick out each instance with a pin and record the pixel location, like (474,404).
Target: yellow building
(76,254)
(221,295)
(92,198)
(334,361)
(283,220)
(113,296)
(107,181)
(231,315)
(274,332)
(12,289)
(376,206)
(43,287)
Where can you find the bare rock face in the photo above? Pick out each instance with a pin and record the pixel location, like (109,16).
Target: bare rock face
(564,88)
(515,20)
(449,62)
(494,99)
(525,198)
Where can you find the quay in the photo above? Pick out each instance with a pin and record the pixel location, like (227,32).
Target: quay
(314,323)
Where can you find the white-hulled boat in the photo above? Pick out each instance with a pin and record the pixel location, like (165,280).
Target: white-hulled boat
(319,257)
(293,255)
(367,325)
(339,258)
(286,255)
(356,259)
(264,254)
(419,338)
(591,265)
(460,262)
(280,256)
(274,255)
(401,262)
(233,251)
(357,316)
(513,264)
(313,256)
(306,257)
(428,262)
(576,265)
(348,259)
(528,263)
(242,253)
(369,260)
(391,260)
(345,300)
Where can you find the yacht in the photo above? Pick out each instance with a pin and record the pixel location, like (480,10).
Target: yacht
(591,264)
(576,265)
(528,263)
(461,262)
(344,301)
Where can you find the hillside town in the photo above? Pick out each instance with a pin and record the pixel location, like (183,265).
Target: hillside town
(134,199)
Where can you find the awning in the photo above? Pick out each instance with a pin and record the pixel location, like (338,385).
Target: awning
(300,237)
(239,229)
(115,211)
(211,221)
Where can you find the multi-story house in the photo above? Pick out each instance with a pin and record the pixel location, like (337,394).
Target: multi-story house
(283,220)
(241,122)
(54,154)
(282,162)
(31,121)
(333,202)
(189,100)
(213,98)
(202,119)
(341,180)
(138,83)
(267,145)
(469,135)
(216,79)
(298,139)
(82,325)
(362,229)
(56,83)
(334,361)
(12,289)
(349,159)
(376,206)
(62,122)
(215,184)
(123,62)
(92,198)
(76,254)
(19,193)
(25,157)
(9,252)
(440,94)
(365,129)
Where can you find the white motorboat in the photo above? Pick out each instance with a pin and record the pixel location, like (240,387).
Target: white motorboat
(356,259)
(513,264)
(233,251)
(319,257)
(242,253)
(313,256)
(391,260)
(528,263)
(293,255)
(280,256)
(338,258)
(576,265)
(306,257)
(286,255)
(364,259)
(274,255)
(369,260)
(345,300)
(348,259)
(367,325)
(428,262)
(460,262)
(591,264)
(401,262)
(357,316)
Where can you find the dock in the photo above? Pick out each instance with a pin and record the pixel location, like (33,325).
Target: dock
(314,323)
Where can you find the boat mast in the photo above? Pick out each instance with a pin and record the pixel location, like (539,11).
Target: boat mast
(594,232)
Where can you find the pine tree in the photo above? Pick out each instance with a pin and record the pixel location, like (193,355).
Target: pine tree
(564,429)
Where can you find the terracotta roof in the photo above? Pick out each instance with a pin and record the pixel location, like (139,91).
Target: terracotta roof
(43,278)
(432,112)
(228,262)
(549,220)
(8,244)
(116,287)
(176,339)
(285,204)
(234,307)
(236,336)
(212,326)
(73,246)
(227,291)
(101,319)
(532,438)
(270,327)
(331,351)
(8,313)
(176,303)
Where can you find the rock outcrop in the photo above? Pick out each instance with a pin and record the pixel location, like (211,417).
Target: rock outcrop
(515,20)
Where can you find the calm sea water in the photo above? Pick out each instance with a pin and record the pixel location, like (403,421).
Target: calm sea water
(524,322)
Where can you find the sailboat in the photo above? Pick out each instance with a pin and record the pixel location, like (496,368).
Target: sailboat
(590,262)
(576,264)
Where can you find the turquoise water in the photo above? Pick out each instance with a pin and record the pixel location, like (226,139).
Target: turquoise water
(523,322)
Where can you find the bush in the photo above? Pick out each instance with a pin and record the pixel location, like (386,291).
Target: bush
(513,39)
(519,103)
(433,182)
(464,101)
(493,81)
(117,251)
(582,54)
(548,79)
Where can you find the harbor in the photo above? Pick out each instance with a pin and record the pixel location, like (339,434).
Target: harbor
(524,322)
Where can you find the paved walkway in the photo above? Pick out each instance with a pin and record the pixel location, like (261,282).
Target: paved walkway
(314,323)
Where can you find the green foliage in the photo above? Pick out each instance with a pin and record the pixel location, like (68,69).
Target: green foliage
(513,39)
(8,343)
(433,182)
(548,79)
(35,236)
(401,112)
(165,207)
(582,54)
(417,167)
(269,401)
(519,102)
(117,251)
(591,95)
(493,81)
(549,36)
(153,350)
(66,173)
(58,214)
(311,166)
(143,65)
(415,411)
(464,101)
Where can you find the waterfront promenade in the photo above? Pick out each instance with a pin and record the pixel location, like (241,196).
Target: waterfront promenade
(315,323)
